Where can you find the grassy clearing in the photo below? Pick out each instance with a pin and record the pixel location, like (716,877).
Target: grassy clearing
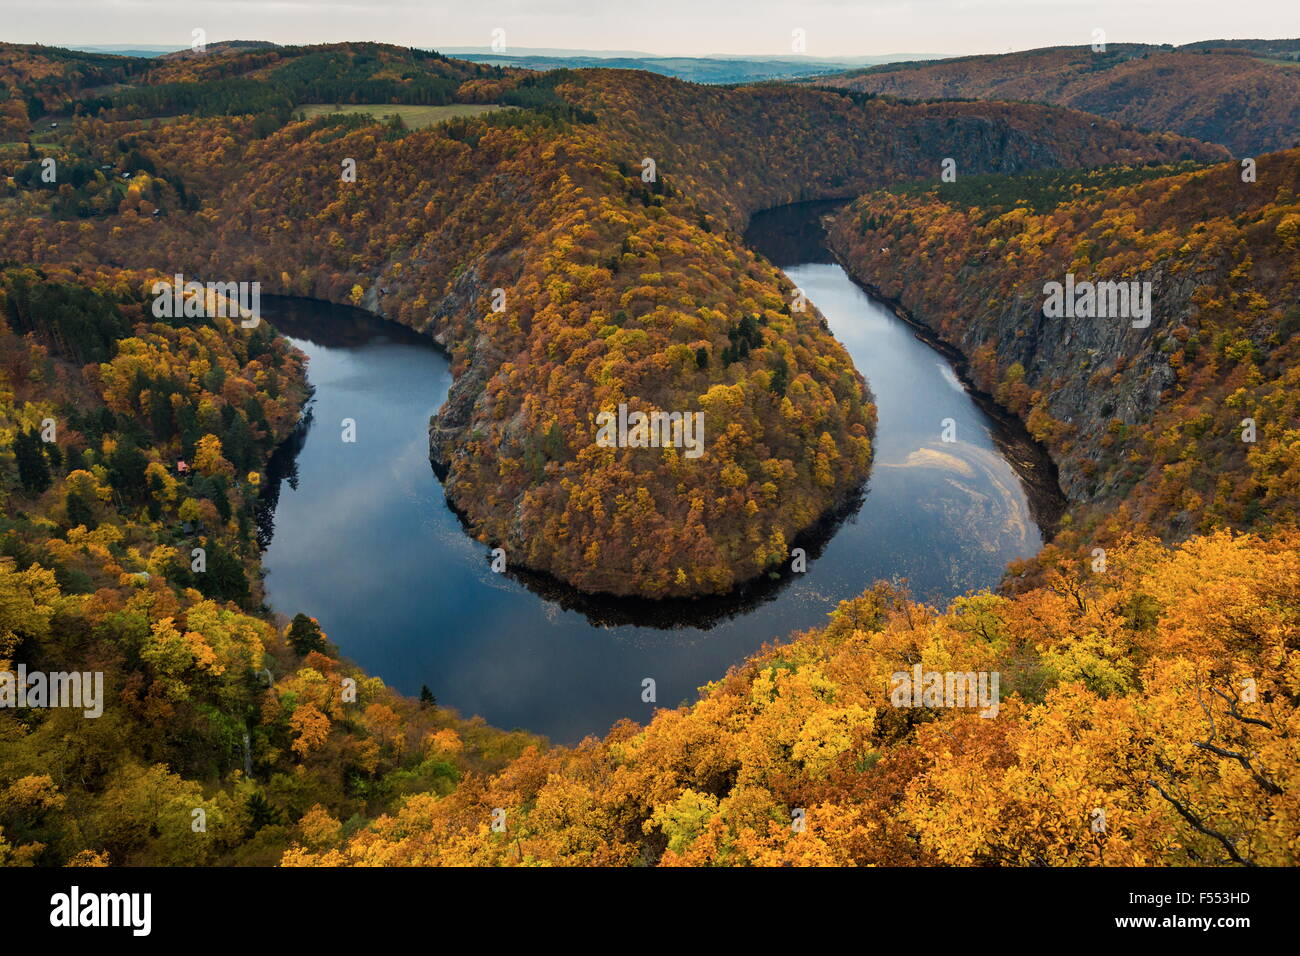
(1276,61)
(415,117)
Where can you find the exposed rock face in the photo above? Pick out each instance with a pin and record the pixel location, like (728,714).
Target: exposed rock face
(1091,371)
(448,426)
(457,412)
(1143,411)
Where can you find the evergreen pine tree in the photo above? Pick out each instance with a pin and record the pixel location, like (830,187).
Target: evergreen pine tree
(33,471)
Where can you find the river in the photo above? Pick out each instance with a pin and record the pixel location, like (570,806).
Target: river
(364,541)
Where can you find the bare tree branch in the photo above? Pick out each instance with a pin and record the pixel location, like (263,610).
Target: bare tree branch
(1232,709)
(1201,827)
(1268,785)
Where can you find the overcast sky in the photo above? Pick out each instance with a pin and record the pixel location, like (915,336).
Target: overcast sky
(688,27)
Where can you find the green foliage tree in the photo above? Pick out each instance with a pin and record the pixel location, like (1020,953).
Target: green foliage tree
(305,635)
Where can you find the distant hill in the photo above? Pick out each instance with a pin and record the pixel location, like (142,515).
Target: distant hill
(228,78)
(695,69)
(36,80)
(222,46)
(155,50)
(717,69)
(138,52)
(1243,94)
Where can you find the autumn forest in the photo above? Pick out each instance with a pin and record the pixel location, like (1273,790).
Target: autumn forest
(573,242)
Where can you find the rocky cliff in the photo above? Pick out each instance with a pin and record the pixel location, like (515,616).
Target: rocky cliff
(1183,419)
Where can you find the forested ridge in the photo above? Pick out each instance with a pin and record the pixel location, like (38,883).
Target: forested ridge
(1244,94)
(1122,690)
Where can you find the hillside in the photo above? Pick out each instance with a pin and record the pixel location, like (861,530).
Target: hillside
(692,69)
(1148,424)
(128,546)
(618,288)
(1101,674)
(1244,95)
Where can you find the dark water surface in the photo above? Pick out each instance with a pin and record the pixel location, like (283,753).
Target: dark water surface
(364,541)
